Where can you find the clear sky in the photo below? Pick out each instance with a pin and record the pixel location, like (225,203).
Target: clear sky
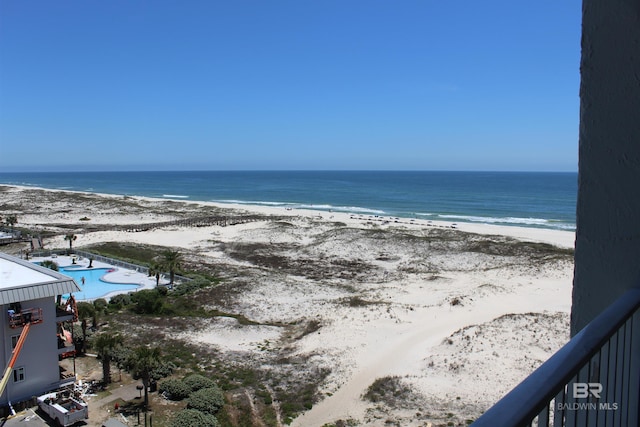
(296,84)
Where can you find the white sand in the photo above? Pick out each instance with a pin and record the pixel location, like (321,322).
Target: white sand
(404,331)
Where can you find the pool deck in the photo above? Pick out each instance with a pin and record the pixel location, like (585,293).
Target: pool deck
(120,275)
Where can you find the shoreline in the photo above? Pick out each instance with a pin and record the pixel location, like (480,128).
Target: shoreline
(560,238)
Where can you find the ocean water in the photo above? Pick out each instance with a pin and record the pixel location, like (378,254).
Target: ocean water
(531,199)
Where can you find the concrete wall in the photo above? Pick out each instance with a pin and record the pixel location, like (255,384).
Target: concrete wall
(608,213)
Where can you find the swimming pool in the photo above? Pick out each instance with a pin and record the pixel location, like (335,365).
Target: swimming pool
(94,287)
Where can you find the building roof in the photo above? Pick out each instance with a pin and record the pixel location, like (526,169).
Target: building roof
(22,280)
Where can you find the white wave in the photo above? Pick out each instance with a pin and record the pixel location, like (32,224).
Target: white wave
(353,209)
(175,196)
(492,220)
(425,214)
(322,207)
(511,220)
(252,202)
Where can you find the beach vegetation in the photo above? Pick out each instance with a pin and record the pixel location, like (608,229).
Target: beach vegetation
(358,301)
(171,260)
(198,282)
(504,246)
(50,264)
(11,221)
(196,382)
(174,389)
(129,252)
(146,363)
(100,305)
(350,422)
(156,269)
(70,238)
(208,400)
(86,311)
(193,417)
(117,302)
(147,301)
(393,392)
(107,345)
(310,327)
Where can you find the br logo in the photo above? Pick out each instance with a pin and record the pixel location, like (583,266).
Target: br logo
(584,390)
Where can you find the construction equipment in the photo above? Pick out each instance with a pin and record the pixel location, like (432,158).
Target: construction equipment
(25,318)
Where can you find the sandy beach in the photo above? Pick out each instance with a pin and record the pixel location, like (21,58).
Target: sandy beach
(400,320)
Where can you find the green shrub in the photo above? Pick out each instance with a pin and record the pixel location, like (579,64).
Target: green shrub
(191,286)
(120,300)
(208,400)
(100,304)
(164,369)
(147,301)
(49,264)
(193,417)
(197,382)
(176,389)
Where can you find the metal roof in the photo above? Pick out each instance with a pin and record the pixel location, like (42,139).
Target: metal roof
(49,284)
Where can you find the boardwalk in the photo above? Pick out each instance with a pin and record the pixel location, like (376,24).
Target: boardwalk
(205,221)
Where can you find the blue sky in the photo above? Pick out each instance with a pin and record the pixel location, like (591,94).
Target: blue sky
(255,84)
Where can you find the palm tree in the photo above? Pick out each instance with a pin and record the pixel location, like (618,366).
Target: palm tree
(141,363)
(71,238)
(171,261)
(85,311)
(106,345)
(155,269)
(11,221)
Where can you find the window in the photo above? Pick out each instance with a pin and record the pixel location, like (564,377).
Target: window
(18,374)
(14,340)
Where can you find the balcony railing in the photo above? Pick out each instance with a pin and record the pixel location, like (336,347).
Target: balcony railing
(594,380)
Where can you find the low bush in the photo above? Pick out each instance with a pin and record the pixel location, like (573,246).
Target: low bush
(208,400)
(191,286)
(175,389)
(100,304)
(119,301)
(193,417)
(197,382)
(147,301)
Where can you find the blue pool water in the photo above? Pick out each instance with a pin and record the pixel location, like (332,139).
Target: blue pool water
(94,286)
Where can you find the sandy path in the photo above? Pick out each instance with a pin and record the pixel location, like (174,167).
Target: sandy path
(403,352)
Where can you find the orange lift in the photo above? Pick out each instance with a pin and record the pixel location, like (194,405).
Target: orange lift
(25,318)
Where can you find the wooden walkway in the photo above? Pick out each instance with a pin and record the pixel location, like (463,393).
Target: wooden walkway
(205,221)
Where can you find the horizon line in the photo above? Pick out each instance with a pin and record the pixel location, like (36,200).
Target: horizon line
(286,170)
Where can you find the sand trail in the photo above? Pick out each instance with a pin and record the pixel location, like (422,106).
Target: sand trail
(400,351)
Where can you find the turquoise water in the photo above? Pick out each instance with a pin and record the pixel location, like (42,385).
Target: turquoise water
(94,286)
(530,199)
